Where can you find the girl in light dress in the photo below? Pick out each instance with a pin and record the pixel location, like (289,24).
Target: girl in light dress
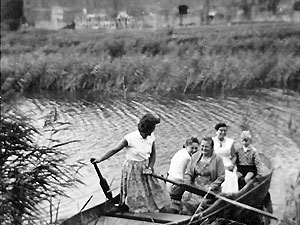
(224,147)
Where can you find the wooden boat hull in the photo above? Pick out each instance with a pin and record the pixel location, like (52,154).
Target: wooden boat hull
(253,194)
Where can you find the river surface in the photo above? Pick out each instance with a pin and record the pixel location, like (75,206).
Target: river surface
(273,118)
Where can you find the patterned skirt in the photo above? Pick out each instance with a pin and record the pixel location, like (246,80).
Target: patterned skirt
(140,192)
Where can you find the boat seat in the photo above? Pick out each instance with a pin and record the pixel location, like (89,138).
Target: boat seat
(155,217)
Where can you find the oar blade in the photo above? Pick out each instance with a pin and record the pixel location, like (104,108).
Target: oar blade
(103,183)
(105,187)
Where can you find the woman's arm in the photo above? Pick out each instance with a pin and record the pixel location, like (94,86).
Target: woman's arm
(233,154)
(185,164)
(152,156)
(220,170)
(152,159)
(123,143)
(189,175)
(258,164)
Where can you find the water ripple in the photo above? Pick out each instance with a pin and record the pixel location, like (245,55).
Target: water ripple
(100,125)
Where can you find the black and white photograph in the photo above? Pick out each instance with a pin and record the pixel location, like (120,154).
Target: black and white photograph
(178,112)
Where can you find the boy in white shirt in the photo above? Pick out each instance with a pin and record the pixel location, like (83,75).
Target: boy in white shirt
(177,169)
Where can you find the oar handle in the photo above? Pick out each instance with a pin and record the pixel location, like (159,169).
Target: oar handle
(98,171)
(189,188)
(165,179)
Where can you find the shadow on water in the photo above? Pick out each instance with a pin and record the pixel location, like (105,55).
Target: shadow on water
(272,116)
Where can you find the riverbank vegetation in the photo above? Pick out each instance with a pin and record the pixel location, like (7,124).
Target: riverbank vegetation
(210,60)
(33,167)
(292,210)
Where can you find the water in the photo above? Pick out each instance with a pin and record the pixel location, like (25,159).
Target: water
(274,119)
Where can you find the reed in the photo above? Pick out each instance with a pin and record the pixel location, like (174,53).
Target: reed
(212,59)
(33,168)
(292,210)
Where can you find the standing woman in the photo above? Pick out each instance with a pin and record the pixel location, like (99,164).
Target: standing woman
(224,147)
(139,192)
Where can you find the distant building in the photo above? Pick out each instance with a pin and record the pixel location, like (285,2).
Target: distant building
(51,14)
(94,14)
(296,12)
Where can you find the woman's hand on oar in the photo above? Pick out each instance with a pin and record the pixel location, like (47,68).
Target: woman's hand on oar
(93,160)
(148,170)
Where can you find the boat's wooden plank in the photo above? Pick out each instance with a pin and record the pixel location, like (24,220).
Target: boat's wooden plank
(153,216)
(108,220)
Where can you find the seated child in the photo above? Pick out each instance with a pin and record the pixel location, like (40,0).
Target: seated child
(177,169)
(248,162)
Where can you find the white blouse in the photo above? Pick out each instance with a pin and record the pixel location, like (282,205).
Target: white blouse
(223,149)
(178,164)
(138,148)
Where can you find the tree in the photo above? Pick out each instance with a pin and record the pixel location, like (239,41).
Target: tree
(12,13)
(31,173)
(272,6)
(246,7)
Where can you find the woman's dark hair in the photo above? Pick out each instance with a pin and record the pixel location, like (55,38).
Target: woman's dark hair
(217,127)
(209,139)
(191,140)
(148,123)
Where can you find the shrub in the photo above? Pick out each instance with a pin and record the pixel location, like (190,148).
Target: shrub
(212,59)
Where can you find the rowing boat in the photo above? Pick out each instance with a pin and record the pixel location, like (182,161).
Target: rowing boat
(255,194)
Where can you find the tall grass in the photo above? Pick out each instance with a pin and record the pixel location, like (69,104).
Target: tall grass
(33,167)
(212,59)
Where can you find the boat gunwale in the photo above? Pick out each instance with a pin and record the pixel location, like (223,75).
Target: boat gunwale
(264,180)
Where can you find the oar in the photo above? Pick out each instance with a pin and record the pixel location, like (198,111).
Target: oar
(198,191)
(103,183)
(189,188)
(199,207)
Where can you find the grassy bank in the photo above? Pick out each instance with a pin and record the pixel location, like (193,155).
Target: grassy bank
(215,59)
